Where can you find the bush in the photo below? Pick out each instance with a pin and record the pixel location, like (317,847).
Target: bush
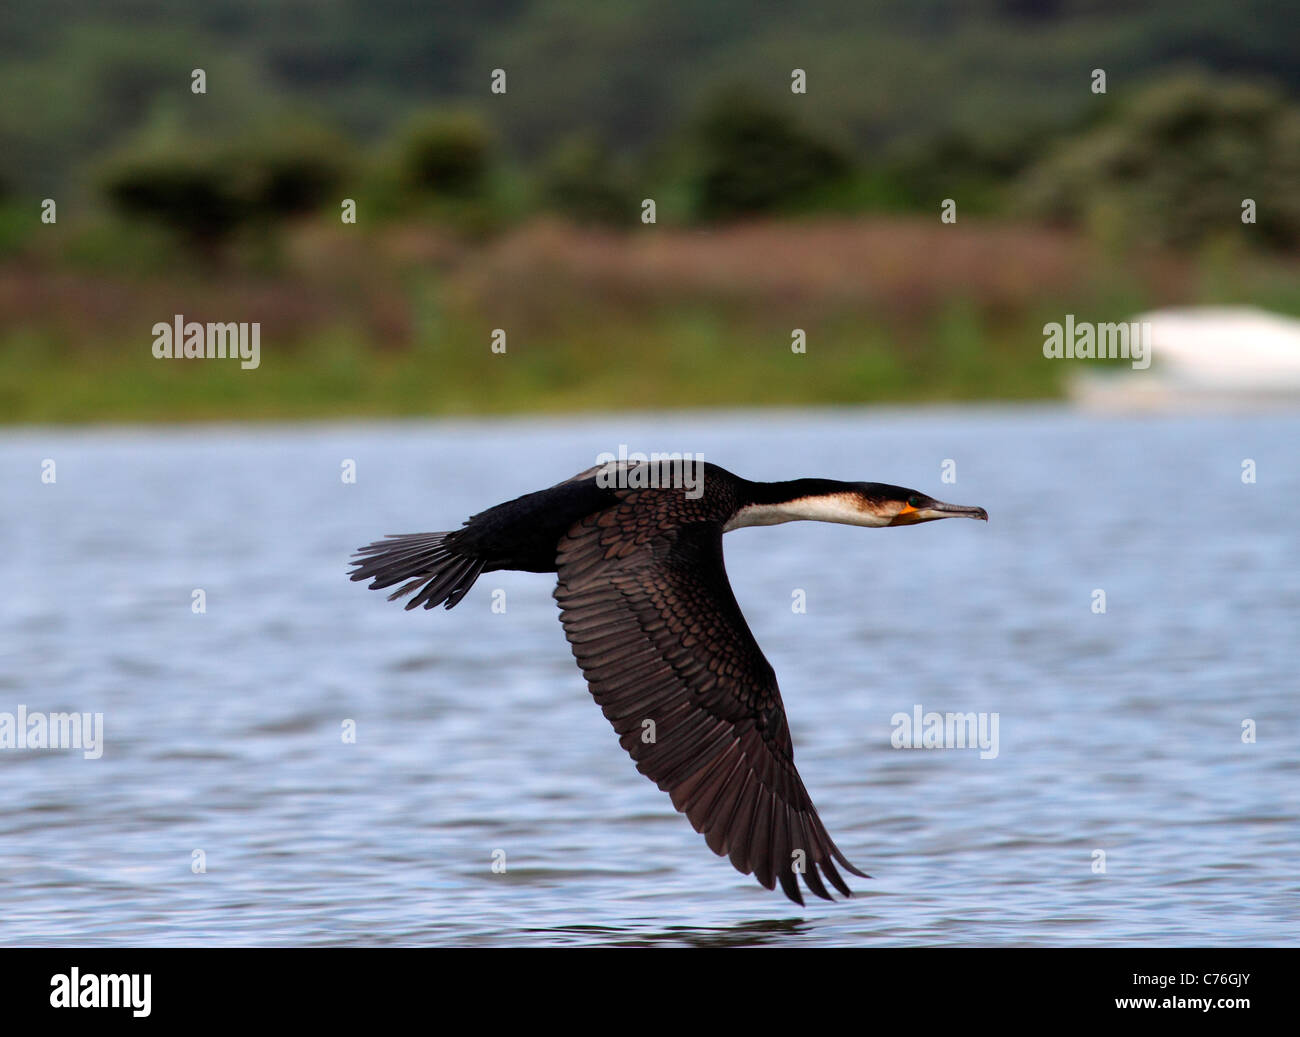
(192,191)
(449,155)
(205,193)
(579,180)
(1174,166)
(754,158)
(974,169)
(293,173)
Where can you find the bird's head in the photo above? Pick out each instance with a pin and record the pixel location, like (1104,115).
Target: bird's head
(898,506)
(850,503)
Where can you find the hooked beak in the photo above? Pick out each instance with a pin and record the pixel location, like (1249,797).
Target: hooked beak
(909,516)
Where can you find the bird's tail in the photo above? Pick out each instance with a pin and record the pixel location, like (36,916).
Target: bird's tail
(427,561)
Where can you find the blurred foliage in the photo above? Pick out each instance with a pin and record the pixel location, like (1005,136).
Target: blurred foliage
(95,85)
(295,172)
(579,179)
(447,155)
(1174,165)
(189,190)
(204,192)
(1167,166)
(974,168)
(753,158)
(886,75)
(16,227)
(446,168)
(909,102)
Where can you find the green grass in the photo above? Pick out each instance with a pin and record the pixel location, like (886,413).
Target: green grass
(691,359)
(352,331)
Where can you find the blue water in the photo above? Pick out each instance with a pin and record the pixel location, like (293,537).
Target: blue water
(1119,732)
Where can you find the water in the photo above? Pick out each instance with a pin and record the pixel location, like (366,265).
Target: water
(1119,732)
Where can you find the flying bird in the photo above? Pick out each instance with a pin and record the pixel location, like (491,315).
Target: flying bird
(653,623)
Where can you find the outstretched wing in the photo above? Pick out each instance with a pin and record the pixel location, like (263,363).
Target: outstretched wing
(656,630)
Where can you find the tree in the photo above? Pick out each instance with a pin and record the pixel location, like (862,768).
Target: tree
(1174,166)
(190,190)
(206,192)
(447,155)
(292,172)
(580,180)
(753,158)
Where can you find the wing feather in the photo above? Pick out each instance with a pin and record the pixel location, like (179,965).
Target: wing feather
(656,630)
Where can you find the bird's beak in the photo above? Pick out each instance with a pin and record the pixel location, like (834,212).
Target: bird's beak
(909,516)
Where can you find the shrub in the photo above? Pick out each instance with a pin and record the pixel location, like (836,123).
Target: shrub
(753,158)
(447,155)
(579,180)
(1173,166)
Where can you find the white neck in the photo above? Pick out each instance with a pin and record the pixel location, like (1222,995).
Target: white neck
(839,507)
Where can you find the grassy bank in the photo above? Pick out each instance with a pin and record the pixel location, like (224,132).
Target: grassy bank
(402,323)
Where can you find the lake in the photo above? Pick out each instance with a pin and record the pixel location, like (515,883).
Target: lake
(1127,802)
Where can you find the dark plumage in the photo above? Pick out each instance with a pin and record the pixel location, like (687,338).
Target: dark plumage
(652,621)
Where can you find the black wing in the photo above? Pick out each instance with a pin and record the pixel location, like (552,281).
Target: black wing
(655,627)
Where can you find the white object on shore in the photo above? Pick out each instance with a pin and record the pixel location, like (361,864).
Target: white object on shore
(1204,357)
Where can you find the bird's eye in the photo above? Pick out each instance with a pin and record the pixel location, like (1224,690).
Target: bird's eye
(914,501)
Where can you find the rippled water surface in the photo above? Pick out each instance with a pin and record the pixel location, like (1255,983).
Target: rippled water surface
(1119,732)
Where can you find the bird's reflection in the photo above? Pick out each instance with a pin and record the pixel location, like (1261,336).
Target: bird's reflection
(754,933)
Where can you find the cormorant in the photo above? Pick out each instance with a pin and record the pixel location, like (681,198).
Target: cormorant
(655,628)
